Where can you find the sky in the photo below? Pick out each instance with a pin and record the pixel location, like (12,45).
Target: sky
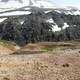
(58,3)
(75,3)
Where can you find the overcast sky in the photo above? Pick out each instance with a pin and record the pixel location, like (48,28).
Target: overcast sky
(75,3)
(59,3)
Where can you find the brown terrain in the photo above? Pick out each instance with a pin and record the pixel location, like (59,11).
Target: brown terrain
(40,61)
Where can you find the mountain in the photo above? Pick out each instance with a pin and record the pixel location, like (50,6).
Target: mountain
(33,21)
(22,7)
(13,5)
(40,26)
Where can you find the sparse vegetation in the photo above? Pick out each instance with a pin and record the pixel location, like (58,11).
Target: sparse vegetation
(8,44)
(54,62)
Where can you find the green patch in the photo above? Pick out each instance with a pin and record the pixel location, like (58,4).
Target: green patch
(47,49)
(42,50)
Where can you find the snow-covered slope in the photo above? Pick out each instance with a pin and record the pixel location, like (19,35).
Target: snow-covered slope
(15,4)
(6,5)
(69,10)
(26,7)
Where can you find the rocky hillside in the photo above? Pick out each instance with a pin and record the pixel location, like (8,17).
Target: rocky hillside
(40,26)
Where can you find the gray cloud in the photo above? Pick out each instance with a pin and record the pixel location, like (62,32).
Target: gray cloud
(9,0)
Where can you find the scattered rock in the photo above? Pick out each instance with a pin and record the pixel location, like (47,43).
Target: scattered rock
(66,65)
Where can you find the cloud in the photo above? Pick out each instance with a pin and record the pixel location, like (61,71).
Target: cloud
(11,0)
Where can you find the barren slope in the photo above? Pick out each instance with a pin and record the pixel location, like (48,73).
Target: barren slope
(58,61)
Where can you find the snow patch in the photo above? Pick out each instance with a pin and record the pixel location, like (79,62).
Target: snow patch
(2,19)
(72,12)
(15,13)
(77,13)
(65,26)
(27,8)
(50,20)
(56,28)
(22,22)
(58,11)
(47,11)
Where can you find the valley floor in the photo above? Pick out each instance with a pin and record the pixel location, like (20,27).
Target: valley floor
(42,61)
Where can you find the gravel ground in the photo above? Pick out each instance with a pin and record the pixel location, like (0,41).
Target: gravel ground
(58,64)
